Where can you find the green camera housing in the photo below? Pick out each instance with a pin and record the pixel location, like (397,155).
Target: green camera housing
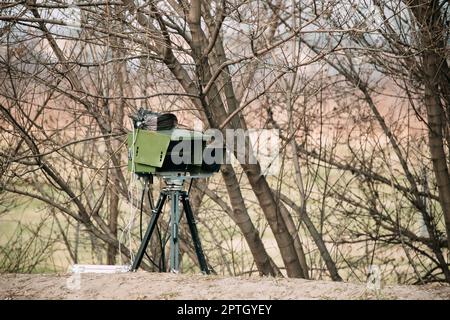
(152,152)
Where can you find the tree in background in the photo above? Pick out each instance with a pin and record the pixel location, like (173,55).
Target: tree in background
(312,69)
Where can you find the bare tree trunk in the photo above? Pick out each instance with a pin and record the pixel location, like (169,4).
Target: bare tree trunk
(245,224)
(216,114)
(436,142)
(432,37)
(116,122)
(276,222)
(112,223)
(318,240)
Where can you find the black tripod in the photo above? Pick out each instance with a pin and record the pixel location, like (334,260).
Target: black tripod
(175,194)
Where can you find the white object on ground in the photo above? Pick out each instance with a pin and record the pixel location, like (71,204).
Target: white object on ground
(102,268)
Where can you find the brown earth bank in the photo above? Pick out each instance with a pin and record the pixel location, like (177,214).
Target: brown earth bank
(142,285)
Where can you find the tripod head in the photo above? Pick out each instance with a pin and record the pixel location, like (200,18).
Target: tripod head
(174,180)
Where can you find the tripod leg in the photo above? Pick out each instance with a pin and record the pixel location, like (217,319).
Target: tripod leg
(193,229)
(148,234)
(174,242)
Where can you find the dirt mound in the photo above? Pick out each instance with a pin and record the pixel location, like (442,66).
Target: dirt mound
(142,285)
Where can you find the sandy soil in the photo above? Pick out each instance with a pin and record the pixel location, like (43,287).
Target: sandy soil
(142,285)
